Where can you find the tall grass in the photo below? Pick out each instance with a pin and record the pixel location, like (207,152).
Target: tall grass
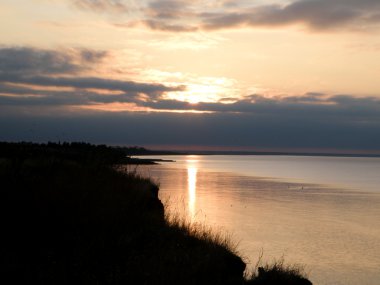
(277,272)
(201,231)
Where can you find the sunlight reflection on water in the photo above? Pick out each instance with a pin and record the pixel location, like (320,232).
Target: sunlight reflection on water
(192,186)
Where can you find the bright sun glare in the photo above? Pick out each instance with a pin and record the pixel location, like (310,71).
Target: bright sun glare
(210,90)
(192,170)
(202,93)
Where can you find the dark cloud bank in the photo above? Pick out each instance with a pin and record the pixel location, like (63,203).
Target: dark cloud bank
(228,130)
(29,111)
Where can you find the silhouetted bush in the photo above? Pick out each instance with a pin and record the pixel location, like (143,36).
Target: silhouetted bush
(278,273)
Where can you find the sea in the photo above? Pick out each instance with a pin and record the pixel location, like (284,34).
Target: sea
(319,213)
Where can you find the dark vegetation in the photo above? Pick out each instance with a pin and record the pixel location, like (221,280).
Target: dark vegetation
(278,273)
(136,150)
(68,216)
(79,152)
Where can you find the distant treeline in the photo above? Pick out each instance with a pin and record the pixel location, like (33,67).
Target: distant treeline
(77,151)
(137,150)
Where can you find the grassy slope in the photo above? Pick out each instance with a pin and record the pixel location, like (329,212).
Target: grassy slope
(71,221)
(69,218)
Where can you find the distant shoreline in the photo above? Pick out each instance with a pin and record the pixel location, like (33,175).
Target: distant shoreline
(168,153)
(146,161)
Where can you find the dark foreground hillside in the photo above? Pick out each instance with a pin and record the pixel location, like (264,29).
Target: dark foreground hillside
(70,220)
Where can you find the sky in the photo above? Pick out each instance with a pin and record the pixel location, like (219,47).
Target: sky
(297,75)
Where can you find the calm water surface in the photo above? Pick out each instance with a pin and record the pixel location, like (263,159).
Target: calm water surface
(322,212)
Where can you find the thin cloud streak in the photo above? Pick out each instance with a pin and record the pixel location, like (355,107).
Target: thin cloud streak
(92,82)
(160,26)
(101,6)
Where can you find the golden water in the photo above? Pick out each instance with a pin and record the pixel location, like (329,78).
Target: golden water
(322,212)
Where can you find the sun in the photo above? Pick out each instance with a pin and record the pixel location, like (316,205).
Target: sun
(197,93)
(204,90)
(202,93)
(193,99)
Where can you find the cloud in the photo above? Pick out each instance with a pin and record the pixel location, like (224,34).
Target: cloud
(26,97)
(316,14)
(92,82)
(170,15)
(25,60)
(49,93)
(161,26)
(78,95)
(276,130)
(169,9)
(314,121)
(114,6)
(188,16)
(57,78)
(308,106)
